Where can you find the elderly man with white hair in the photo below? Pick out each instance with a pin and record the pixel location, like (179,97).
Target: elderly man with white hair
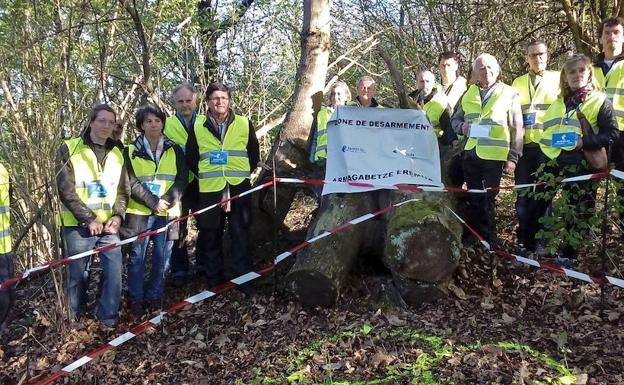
(490,115)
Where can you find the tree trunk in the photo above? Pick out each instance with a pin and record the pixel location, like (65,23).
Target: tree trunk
(291,150)
(422,245)
(320,270)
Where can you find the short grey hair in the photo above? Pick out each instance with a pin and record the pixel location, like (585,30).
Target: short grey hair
(187,85)
(365,78)
(486,57)
(340,84)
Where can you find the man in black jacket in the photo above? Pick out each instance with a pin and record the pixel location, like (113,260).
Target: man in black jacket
(222,151)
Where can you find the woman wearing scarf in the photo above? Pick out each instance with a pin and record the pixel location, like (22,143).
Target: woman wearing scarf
(563,144)
(158,175)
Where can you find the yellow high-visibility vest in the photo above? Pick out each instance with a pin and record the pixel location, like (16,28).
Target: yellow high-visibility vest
(455,91)
(613,85)
(175,131)
(223,162)
(159,179)
(434,109)
(494,115)
(5,211)
(321,133)
(535,102)
(557,121)
(96,187)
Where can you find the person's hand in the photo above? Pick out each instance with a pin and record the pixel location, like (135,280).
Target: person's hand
(579,142)
(95,227)
(112,225)
(162,205)
(465,128)
(509,168)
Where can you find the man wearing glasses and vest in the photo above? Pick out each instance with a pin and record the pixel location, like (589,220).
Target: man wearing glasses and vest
(222,151)
(177,128)
(609,71)
(538,89)
(93,187)
(489,114)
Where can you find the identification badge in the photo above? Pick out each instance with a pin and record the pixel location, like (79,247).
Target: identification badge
(96,190)
(218,157)
(479,131)
(528,119)
(153,187)
(564,139)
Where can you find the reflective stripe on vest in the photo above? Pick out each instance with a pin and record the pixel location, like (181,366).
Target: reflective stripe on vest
(434,109)
(146,172)
(89,176)
(5,211)
(494,114)
(322,118)
(536,100)
(213,177)
(555,122)
(613,85)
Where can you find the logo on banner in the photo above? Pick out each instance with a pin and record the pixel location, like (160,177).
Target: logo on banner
(357,150)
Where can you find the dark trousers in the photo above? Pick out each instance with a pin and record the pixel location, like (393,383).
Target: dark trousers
(481,209)
(581,197)
(211,228)
(532,158)
(180,265)
(617,157)
(7,296)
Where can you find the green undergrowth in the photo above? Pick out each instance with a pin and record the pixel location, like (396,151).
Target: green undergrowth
(421,371)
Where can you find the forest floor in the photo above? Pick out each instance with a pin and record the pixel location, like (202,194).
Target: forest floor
(500,324)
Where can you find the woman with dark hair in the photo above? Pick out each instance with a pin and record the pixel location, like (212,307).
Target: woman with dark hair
(158,175)
(563,142)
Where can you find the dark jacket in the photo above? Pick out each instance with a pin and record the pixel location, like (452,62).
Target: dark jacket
(253,150)
(134,223)
(608,132)
(599,62)
(66,183)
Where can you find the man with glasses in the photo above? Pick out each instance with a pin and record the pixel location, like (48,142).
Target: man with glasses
(537,89)
(222,150)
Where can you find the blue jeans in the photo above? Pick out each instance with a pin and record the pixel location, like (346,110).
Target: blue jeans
(160,263)
(77,240)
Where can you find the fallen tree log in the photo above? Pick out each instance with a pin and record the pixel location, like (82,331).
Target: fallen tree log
(320,270)
(422,245)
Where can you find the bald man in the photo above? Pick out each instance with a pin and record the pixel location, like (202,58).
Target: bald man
(435,104)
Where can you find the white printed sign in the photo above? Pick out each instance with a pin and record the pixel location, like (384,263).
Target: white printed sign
(382,146)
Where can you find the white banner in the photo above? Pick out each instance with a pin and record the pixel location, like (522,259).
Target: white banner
(383,146)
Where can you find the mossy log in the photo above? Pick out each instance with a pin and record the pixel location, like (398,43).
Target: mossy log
(422,245)
(320,270)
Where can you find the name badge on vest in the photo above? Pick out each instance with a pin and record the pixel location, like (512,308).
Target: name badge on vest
(218,157)
(528,119)
(153,187)
(96,190)
(564,139)
(479,131)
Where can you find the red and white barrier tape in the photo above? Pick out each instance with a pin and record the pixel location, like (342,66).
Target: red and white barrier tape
(206,294)
(416,188)
(67,260)
(421,188)
(599,280)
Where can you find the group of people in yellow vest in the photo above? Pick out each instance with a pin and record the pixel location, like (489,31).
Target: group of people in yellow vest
(189,161)
(535,125)
(176,164)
